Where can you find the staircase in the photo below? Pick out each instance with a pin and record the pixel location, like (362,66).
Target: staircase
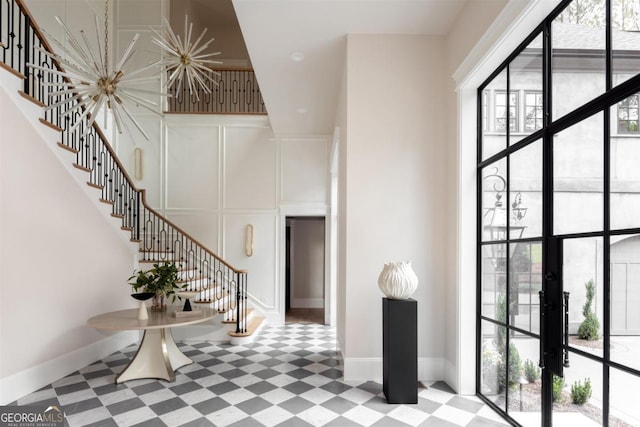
(220,285)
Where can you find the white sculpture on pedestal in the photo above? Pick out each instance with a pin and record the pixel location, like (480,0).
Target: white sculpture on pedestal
(397,280)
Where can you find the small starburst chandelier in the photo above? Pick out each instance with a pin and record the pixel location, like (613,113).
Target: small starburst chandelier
(92,81)
(186,60)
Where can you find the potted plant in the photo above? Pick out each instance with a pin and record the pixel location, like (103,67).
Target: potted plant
(161,280)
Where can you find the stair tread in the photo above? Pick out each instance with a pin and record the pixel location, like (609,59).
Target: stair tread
(11,70)
(31,99)
(249,313)
(51,125)
(66,147)
(253,325)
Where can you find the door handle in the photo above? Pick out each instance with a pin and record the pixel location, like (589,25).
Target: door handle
(565,351)
(542,327)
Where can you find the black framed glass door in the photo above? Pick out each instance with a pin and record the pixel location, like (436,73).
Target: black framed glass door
(558,178)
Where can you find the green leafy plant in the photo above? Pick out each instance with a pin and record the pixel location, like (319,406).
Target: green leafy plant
(531,371)
(515,368)
(581,392)
(558,385)
(588,329)
(161,279)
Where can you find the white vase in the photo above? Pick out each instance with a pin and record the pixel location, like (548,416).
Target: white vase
(397,280)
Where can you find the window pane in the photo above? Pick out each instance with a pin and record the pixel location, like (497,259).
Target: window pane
(625,39)
(624,408)
(625,173)
(494,137)
(494,211)
(525,73)
(494,276)
(625,300)
(525,199)
(493,374)
(578,177)
(582,278)
(525,400)
(525,267)
(504,103)
(578,55)
(589,412)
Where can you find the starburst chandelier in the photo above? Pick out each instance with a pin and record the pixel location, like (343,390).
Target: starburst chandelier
(90,78)
(185,60)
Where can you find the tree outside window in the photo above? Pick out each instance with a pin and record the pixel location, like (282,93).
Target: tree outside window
(628,115)
(501,107)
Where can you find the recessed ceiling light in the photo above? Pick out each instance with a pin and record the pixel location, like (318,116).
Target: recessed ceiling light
(297,56)
(301,110)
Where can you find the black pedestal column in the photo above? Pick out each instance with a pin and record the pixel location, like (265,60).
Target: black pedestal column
(400,350)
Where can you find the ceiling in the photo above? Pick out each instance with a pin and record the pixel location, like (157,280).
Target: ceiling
(301,95)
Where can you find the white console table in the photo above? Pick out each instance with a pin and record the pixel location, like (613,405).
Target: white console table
(158,355)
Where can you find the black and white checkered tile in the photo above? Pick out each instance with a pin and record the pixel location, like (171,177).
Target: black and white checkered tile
(290,376)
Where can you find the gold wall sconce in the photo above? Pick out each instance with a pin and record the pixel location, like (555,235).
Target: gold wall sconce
(248,240)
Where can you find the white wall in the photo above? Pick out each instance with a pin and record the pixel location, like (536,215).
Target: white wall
(393,192)
(307,262)
(61,262)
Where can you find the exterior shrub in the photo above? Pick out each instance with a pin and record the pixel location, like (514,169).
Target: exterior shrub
(581,392)
(588,329)
(558,385)
(531,371)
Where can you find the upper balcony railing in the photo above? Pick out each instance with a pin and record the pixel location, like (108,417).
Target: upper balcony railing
(237,92)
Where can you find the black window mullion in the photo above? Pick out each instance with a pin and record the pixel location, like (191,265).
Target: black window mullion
(606,219)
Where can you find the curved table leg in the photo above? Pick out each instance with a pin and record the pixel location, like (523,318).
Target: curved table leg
(157,357)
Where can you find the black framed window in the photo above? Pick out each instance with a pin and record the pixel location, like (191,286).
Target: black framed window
(504,104)
(533,111)
(558,209)
(629,115)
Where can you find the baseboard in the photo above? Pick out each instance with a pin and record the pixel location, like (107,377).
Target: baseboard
(307,303)
(370,369)
(32,379)
(451,375)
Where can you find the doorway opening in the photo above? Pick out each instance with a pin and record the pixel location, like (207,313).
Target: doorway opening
(305,269)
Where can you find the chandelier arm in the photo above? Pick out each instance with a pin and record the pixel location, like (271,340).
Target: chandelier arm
(52,71)
(71,61)
(189,80)
(173,37)
(149,105)
(72,41)
(145,91)
(103,65)
(93,60)
(164,45)
(136,124)
(93,115)
(60,103)
(174,76)
(56,56)
(85,113)
(208,55)
(128,53)
(187,35)
(143,69)
(198,41)
(203,84)
(116,113)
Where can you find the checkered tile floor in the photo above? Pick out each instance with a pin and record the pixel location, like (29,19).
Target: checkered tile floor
(290,376)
